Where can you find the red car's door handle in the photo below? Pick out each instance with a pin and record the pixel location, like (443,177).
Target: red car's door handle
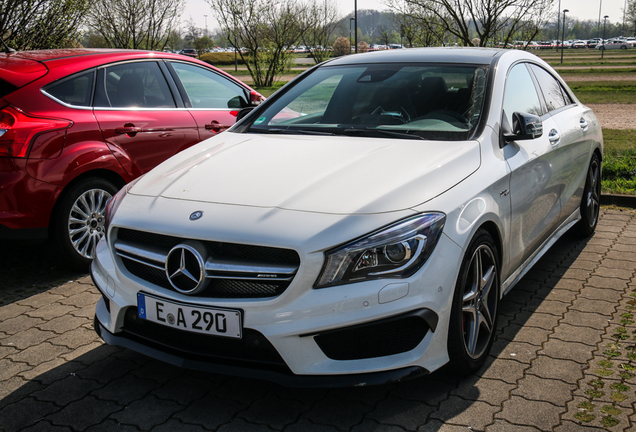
(129,129)
(215,126)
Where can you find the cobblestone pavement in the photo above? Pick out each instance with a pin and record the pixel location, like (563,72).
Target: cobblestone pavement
(564,360)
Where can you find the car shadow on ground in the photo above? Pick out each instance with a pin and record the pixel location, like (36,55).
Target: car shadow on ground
(29,267)
(110,388)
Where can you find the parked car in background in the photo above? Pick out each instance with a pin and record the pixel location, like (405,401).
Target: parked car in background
(614,45)
(579,44)
(78,124)
(358,227)
(189,52)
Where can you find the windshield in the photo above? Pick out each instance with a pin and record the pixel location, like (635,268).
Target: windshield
(442,102)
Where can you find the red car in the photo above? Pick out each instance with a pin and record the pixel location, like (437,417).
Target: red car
(78,124)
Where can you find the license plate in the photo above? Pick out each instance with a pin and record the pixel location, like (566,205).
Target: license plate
(211,321)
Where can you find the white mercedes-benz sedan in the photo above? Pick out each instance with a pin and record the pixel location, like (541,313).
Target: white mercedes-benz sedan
(358,227)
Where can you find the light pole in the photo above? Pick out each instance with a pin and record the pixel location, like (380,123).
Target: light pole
(355,16)
(206,24)
(604,22)
(558,24)
(563,34)
(350,43)
(624,9)
(600,7)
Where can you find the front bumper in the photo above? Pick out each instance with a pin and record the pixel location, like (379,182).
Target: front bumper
(330,336)
(285,378)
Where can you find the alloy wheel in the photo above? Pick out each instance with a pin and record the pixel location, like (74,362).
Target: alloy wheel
(86,221)
(593,193)
(479,302)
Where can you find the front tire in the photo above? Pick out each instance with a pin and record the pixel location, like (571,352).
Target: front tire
(79,221)
(590,203)
(475,305)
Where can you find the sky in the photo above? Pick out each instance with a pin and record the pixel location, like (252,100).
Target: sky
(581,9)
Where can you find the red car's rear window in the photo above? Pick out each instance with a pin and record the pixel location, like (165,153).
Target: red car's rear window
(18,72)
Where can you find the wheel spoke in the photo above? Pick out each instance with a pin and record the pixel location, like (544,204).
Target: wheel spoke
(77,242)
(74,221)
(77,210)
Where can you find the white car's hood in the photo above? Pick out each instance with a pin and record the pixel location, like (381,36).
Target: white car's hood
(339,175)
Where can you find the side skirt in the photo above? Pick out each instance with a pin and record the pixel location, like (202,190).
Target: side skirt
(531,261)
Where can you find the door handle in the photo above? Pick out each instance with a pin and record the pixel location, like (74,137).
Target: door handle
(129,129)
(554,137)
(583,123)
(215,126)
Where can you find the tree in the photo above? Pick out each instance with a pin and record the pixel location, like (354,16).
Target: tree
(363,47)
(341,47)
(418,26)
(191,33)
(317,23)
(137,24)
(203,44)
(630,15)
(466,19)
(262,31)
(39,24)
(384,34)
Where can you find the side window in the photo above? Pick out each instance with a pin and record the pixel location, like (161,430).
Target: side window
(128,85)
(76,90)
(207,89)
(555,96)
(520,93)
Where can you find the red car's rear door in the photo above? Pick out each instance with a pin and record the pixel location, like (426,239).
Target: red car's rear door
(139,117)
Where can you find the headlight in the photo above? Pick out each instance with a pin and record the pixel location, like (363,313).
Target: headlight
(113,204)
(396,251)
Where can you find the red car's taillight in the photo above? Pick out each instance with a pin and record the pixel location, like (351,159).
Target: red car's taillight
(17,130)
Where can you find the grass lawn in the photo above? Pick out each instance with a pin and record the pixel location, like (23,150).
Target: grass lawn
(268,91)
(619,163)
(601,92)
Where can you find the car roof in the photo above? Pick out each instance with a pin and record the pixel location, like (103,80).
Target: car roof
(24,67)
(424,55)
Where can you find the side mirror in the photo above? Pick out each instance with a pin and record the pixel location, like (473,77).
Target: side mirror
(243,112)
(256,98)
(524,127)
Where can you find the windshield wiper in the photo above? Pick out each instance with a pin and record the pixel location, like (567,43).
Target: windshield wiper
(381,132)
(291,131)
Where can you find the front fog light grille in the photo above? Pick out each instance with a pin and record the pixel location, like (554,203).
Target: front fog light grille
(382,338)
(230,270)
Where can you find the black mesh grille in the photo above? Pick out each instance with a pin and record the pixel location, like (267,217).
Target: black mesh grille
(218,288)
(252,350)
(147,273)
(383,338)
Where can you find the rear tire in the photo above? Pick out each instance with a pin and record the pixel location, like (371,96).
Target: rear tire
(590,203)
(475,305)
(78,224)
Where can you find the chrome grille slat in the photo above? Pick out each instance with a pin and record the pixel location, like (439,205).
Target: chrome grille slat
(140,254)
(234,270)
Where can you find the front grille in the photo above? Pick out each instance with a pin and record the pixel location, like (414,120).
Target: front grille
(144,254)
(379,339)
(252,350)
(228,251)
